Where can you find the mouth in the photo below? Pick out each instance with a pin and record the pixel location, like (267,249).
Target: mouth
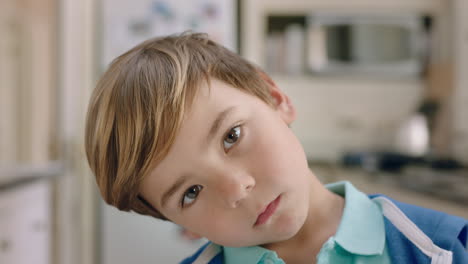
(268,212)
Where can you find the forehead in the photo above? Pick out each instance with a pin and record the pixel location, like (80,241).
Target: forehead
(210,100)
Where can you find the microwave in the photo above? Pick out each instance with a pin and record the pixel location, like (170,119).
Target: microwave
(370,44)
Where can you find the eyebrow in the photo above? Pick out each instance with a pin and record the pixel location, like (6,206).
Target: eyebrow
(180,181)
(218,121)
(173,189)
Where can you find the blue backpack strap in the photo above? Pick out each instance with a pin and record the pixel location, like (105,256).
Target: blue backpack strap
(447,231)
(209,253)
(192,258)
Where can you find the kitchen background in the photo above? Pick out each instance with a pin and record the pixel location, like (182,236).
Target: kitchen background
(381,89)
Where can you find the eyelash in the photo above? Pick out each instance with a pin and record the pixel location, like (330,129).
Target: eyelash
(197,188)
(238,134)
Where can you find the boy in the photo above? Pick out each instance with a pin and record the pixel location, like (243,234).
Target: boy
(184,130)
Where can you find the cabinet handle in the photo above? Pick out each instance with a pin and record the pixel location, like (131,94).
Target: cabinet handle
(4,245)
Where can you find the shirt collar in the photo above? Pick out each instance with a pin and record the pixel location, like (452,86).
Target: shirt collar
(247,254)
(362,229)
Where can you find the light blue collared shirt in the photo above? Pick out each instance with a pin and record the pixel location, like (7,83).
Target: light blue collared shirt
(360,238)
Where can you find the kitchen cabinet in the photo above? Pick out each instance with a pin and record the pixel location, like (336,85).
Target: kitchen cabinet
(25,224)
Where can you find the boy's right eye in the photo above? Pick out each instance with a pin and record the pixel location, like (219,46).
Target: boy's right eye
(231,137)
(190,195)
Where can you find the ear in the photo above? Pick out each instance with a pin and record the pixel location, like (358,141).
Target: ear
(283,104)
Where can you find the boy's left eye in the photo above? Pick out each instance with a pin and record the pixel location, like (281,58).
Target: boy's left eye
(231,137)
(191,195)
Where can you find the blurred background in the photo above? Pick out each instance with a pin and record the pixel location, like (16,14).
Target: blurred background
(381,89)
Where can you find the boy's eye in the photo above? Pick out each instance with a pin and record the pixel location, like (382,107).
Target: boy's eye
(231,137)
(190,195)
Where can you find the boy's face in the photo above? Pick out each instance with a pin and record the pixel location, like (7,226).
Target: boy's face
(233,157)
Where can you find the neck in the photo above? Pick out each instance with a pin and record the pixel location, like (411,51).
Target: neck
(323,219)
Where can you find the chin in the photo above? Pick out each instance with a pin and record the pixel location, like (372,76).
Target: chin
(287,226)
(233,242)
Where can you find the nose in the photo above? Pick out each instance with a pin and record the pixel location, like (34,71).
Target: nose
(234,188)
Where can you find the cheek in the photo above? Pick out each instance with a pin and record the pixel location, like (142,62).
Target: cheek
(207,219)
(277,151)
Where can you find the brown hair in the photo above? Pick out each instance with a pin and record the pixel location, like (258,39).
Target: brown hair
(138,105)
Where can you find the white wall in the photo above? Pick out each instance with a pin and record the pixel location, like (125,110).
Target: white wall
(336,115)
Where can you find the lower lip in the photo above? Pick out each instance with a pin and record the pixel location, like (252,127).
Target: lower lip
(269,211)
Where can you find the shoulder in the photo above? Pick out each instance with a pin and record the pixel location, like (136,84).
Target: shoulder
(209,253)
(433,223)
(447,231)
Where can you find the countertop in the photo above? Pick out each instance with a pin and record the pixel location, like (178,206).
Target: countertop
(447,192)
